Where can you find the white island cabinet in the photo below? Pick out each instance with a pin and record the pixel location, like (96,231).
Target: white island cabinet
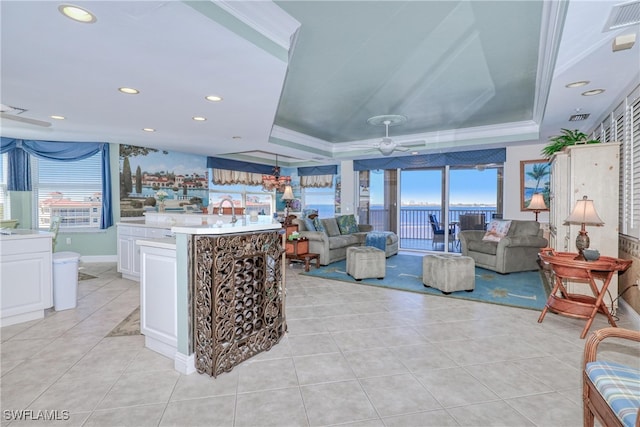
(25,275)
(158,295)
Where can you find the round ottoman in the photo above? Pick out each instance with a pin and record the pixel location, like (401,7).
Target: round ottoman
(449,273)
(365,262)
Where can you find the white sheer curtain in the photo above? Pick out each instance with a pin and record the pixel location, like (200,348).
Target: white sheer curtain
(226,177)
(317,181)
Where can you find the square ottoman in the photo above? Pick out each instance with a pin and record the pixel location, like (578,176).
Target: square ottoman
(365,262)
(449,273)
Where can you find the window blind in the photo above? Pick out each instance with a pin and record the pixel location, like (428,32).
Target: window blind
(71,190)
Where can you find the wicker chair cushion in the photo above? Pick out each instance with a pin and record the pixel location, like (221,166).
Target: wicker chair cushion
(620,387)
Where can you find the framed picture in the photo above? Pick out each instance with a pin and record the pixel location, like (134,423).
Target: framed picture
(534,178)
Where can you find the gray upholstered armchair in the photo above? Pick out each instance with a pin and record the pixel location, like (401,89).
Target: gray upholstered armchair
(517,251)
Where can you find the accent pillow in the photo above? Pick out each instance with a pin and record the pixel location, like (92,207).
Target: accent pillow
(309,225)
(307,212)
(331,227)
(496,231)
(318,226)
(347,224)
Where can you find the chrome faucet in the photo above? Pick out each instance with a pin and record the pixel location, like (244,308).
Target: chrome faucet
(233,209)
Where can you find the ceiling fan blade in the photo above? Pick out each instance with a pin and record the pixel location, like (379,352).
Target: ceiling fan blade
(25,120)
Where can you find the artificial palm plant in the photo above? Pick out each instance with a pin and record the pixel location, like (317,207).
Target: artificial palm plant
(567,138)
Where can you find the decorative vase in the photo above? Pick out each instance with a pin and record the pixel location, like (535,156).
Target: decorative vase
(161,206)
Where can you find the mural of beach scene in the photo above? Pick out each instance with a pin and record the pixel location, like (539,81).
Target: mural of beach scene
(145,171)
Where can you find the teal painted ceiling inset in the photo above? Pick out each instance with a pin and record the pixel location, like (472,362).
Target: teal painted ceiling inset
(443,64)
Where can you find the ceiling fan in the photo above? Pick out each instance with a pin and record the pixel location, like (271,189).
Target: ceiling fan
(386,145)
(14,113)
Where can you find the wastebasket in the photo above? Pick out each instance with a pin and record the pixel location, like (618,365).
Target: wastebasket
(65,280)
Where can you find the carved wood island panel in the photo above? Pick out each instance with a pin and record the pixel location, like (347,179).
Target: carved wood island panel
(237,297)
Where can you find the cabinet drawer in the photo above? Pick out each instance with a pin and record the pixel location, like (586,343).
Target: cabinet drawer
(156,233)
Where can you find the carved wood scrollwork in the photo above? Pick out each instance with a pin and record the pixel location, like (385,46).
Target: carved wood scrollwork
(238,298)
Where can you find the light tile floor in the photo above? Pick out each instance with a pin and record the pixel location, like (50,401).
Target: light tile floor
(354,355)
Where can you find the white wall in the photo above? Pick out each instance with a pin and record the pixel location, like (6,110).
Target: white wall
(512,181)
(349,184)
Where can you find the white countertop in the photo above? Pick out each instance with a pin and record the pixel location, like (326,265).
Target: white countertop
(141,223)
(22,233)
(162,243)
(224,226)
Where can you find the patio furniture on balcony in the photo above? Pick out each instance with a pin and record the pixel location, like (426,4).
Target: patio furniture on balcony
(438,232)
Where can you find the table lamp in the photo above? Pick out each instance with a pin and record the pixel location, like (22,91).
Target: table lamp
(537,204)
(584,213)
(287,197)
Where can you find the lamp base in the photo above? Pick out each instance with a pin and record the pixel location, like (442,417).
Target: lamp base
(582,243)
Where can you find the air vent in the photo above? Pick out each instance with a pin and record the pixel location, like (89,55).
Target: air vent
(623,15)
(578,117)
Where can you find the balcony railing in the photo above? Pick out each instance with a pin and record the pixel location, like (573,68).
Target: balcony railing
(414,222)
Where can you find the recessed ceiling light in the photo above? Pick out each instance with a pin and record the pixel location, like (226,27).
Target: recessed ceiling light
(199,118)
(57,117)
(592,92)
(577,84)
(77,13)
(213,98)
(148,129)
(129,90)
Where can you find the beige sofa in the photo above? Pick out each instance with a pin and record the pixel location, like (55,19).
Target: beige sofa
(517,251)
(332,245)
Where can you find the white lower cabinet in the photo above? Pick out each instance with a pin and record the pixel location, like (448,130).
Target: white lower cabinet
(26,277)
(129,252)
(158,298)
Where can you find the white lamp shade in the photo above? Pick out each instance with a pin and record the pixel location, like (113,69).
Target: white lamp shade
(584,212)
(537,202)
(288,193)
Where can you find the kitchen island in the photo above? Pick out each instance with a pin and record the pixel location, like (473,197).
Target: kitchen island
(228,289)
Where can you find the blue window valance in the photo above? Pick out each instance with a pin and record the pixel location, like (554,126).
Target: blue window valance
(460,158)
(19,169)
(318,170)
(237,165)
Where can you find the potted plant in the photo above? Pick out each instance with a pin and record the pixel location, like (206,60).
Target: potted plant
(565,139)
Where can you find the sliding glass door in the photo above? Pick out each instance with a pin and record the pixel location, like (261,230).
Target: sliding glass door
(437,203)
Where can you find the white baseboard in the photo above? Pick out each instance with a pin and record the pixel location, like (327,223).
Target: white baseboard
(99,258)
(634,317)
(184,364)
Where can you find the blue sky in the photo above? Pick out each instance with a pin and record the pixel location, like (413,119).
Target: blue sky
(466,186)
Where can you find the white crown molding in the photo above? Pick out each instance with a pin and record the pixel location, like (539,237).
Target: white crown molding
(553,17)
(265,17)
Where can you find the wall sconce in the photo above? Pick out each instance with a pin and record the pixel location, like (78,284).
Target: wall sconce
(537,204)
(584,213)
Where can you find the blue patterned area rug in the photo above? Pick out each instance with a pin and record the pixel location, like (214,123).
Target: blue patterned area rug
(404,272)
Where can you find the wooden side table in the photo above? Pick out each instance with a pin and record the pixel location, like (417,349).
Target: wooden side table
(566,267)
(298,249)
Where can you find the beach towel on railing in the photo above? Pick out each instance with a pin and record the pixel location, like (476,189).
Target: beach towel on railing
(378,239)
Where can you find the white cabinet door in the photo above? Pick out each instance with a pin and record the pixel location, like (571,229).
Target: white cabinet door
(158,299)
(129,252)
(124,254)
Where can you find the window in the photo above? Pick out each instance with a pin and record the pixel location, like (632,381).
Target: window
(70,190)
(321,199)
(5,208)
(252,197)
